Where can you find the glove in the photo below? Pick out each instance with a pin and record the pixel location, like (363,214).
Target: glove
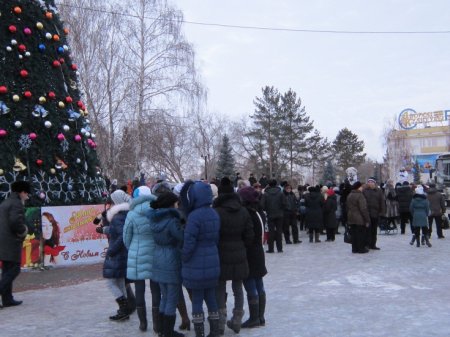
(99,229)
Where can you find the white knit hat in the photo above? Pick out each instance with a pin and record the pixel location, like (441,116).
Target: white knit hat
(419,190)
(119,197)
(141,190)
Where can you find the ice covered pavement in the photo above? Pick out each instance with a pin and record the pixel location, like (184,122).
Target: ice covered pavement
(312,290)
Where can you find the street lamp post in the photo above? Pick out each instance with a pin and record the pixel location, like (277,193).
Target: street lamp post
(206,157)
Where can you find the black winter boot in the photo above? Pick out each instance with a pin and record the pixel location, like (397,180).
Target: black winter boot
(199,325)
(412,240)
(236,320)
(168,325)
(311,235)
(423,240)
(418,240)
(427,241)
(142,314)
(213,318)
(317,237)
(131,299)
(262,308)
(123,312)
(157,320)
(253,308)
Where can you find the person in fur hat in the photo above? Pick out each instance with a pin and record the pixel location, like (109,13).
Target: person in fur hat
(12,233)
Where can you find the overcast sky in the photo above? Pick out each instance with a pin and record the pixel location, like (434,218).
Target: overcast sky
(344,80)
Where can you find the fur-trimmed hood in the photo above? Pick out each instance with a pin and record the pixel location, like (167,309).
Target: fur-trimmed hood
(116,209)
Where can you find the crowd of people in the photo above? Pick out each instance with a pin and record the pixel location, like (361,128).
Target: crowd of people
(199,235)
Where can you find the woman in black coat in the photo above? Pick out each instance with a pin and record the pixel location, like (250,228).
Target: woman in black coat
(236,233)
(329,214)
(254,286)
(314,202)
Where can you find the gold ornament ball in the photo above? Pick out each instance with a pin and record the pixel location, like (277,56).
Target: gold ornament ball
(61,105)
(1,172)
(52,171)
(39,25)
(42,100)
(16,98)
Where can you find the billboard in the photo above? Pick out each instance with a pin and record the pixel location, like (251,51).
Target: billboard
(69,236)
(425,161)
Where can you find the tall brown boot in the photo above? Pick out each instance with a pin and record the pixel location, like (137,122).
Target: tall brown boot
(185,323)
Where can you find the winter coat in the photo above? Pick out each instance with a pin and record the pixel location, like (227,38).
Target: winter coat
(115,265)
(437,202)
(291,203)
(273,202)
(255,251)
(314,202)
(168,235)
(12,228)
(236,233)
(138,239)
(390,197)
(200,255)
(404,197)
(419,208)
(375,202)
(329,212)
(357,212)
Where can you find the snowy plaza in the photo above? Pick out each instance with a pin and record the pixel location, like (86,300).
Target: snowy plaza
(313,289)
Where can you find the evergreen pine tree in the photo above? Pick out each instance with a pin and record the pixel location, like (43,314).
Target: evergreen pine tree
(416,173)
(45,136)
(348,149)
(329,174)
(225,165)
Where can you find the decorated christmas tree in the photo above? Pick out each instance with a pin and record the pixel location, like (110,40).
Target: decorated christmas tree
(45,133)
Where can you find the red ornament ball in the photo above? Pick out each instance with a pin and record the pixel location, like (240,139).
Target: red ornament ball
(3,89)
(24,73)
(49,15)
(17,10)
(39,162)
(61,60)
(12,29)
(74,67)
(56,37)
(32,136)
(56,64)
(69,99)
(51,95)
(80,104)
(27,94)
(22,48)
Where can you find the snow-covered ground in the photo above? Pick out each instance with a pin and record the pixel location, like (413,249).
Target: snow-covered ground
(312,290)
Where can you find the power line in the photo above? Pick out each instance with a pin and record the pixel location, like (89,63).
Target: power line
(275,29)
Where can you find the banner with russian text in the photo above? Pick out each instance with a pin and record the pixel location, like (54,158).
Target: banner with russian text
(69,236)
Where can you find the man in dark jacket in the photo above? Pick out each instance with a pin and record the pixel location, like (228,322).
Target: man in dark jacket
(274,203)
(404,198)
(12,233)
(437,209)
(358,218)
(377,207)
(263,181)
(290,215)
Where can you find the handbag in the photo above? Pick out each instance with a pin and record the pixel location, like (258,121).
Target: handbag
(347,235)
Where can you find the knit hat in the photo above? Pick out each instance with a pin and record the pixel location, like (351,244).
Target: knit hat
(356,185)
(119,197)
(160,188)
(141,190)
(225,186)
(330,192)
(165,200)
(419,190)
(215,190)
(177,188)
(248,194)
(20,186)
(372,180)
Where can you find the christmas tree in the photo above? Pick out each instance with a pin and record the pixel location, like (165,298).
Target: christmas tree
(45,135)
(225,165)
